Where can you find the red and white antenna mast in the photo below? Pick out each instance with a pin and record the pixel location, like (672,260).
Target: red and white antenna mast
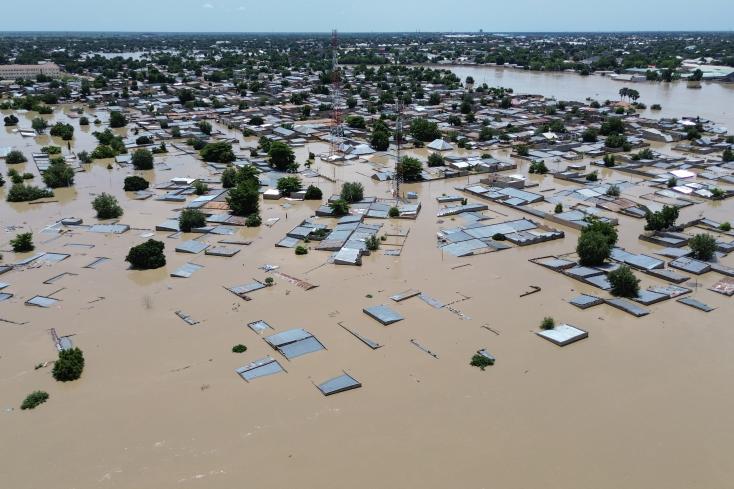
(337,130)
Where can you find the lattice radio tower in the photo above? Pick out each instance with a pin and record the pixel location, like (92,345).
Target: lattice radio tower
(398,177)
(337,130)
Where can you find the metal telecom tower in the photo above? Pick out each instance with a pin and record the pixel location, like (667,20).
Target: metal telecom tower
(398,178)
(337,130)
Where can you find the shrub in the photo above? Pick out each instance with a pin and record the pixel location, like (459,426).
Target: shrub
(523,150)
(559,208)
(142,159)
(703,246)
(313,193)
(239,348)
(135,183)
(538,167)
(725,226)
(106,206)
(143,140)
(301,250)
(615,141)
(717,193)
(34,399)
(372,243)
(26,193)
(22,243)
(147,256)
(624,283)
(244,199)
(190,219)
(58,174)
(672,182)
(662,219)
(340,207)
(14,157)
(39,125)
(11,120)
(102,152)
(727,155)
(200,187)
(613,191)
(253,220)
(435,159)
(481,361)
(547,323)
(288,185)
(592,177)
(352,192)
(84,157)
(205,127)
(229,177)
(69,366)
(270,281)
(51,150)
(499,237)
(83,121)
(656,107)
(220,152)
(393,212)
(609,161)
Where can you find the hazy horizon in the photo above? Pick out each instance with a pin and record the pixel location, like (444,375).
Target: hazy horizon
(378,16)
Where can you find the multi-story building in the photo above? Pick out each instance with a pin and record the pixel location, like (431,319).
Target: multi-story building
(13,72)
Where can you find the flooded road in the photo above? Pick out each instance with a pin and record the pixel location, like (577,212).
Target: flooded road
(642,402)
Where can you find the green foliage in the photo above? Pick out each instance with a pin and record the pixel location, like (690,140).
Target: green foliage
(220,152)
(596,242)
(313,193)
(703,246)
(22,243)
(656,107)
(253,221)
(538,167)
(69,366)
(26,193)
(662,219)
(624,283)
(393,212)
(613,191)
(356,121)
(435,159)
(558,209)
(51,150)
(499,237)
(269,281)
(102,152)
(244,199)
(725,226)
(239,348)
(727,155)
(547,323)
(83,121)
(409,169)
(205,127)
(200,187)
(10,120)
(615,141)
(229,177)
(58,174)
(117,119)
(142,159)
(106,206)
(64,131)
(39,124)
(590,135)
(190,219)
(612,125)
(135,183)
(288,185)
(301,250)
(281,155)
(14,157)
(481,361)
(593,176)
(372,243)
(84,157)
(423,130)
(340,207)
(147,256)
(380,140)
(609,160)
(34,399)
(352,192)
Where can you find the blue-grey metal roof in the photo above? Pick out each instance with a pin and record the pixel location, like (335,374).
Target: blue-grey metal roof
(383,314)
(186,270)
(259,368)
(259,326)
(41,301)
(286,337)
(338,384)
(192,246)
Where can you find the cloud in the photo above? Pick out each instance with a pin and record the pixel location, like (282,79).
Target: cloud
(241,8)
(208,5)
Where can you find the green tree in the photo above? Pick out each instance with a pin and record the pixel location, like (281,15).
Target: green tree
(313,193)
(339,207)
(410,169)
(106,206)
(14,157)
(424,130)
(135,183)
(22,243)
(703,246)
(727,155)
(117,119)
(58,174)
(288,185)
(142,159)
(69,365)
(244,199)
(281,155)
(623,282)
(662,219)
(596,242)
(34,399)
(435,159)
(26,193)
(39,125)
(229,177)
(352,192)
(64,131)
(205,127)
(147,256)
(190,219)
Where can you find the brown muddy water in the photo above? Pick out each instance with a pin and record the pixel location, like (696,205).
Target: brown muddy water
(641,403)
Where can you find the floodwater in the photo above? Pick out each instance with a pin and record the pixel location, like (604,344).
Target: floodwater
(641,403)
(714,101)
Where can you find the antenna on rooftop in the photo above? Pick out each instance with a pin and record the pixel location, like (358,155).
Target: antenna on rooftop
(398,177)
(337,131)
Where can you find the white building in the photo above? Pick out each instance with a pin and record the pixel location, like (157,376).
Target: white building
(13,72)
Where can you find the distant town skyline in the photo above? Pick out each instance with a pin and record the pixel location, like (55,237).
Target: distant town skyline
(373,16)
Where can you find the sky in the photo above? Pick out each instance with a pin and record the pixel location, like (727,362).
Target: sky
(366,15)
